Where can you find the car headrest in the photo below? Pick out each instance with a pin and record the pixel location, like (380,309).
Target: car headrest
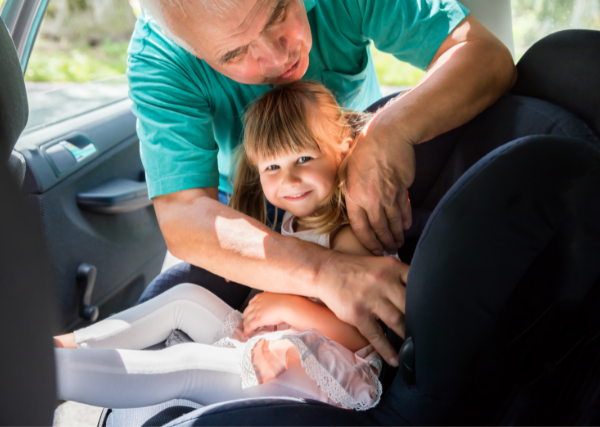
(14,110)
(27,385)
(515,237)
(563,68)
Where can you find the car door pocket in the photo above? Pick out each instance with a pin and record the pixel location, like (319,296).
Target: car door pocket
(114,197)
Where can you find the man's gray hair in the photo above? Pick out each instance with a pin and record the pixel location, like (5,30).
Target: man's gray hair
(156,8)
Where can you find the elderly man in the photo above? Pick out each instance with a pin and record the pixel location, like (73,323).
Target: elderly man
(196,64)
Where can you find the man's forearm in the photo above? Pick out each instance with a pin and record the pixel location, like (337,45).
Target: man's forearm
(466,76)
(200,230)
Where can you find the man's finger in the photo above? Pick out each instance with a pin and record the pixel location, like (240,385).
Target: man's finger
(396,222)
(405,207)
(380,226)
(371,330)
(397,294)
(360,225)
(392,317)
(404,269)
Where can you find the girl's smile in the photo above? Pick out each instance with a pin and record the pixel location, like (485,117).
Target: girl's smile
(298,196)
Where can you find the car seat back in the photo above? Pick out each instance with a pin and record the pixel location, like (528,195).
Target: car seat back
(27,388)
(563,68)
(27,385)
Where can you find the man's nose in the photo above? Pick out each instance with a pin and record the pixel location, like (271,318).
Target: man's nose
(271,52)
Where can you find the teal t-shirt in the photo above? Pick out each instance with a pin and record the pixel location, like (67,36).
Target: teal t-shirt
(189,116)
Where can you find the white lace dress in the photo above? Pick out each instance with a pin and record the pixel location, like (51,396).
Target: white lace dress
(347,379)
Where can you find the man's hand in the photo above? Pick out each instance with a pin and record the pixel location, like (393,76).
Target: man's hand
(468,73)
(361,290)
(380,170)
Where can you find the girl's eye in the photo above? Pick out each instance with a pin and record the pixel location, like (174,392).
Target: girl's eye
(304,159)
(272,167)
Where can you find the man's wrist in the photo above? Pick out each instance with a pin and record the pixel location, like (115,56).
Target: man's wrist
(324,281)
(395,119)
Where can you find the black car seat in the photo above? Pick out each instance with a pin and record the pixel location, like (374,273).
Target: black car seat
(27,385)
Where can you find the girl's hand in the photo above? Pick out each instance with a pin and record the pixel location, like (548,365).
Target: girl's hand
(266,309)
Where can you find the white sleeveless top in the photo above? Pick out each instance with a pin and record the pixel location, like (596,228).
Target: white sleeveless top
(346,379)
(287,229)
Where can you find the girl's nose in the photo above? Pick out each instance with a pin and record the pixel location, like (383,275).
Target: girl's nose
(290,178)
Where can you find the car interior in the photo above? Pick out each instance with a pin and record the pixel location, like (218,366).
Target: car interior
(491,338)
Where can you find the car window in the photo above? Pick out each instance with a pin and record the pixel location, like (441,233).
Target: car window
(535,19)
(79,59)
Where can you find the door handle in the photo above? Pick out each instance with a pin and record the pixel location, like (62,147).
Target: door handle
(114,197)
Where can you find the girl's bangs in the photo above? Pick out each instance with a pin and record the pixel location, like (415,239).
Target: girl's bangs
(276,145)
(280,128)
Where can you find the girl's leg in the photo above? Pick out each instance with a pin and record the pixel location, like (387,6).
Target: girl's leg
(197,372)
(190,308)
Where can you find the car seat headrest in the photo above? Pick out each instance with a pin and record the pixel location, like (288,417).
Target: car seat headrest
(563,68)
(14,110)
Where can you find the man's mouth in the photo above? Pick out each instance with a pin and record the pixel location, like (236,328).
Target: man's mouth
(296,197)
(290,71)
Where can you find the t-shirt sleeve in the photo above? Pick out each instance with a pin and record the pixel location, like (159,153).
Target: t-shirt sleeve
(177,144)
(411,30)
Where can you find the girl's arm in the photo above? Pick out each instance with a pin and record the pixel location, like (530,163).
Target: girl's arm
(345,241)
(299,312)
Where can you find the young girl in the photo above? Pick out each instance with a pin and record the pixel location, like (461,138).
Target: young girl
(296,144)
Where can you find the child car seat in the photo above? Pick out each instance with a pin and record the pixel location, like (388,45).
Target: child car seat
(517,233)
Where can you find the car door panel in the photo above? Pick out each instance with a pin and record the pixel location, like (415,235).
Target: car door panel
(127,248)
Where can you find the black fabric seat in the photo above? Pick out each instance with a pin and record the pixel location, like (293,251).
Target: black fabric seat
(27,385)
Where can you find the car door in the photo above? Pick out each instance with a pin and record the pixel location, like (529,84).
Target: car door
(84,179)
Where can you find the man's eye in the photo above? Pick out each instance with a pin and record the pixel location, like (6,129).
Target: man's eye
(272,167)
(304,159)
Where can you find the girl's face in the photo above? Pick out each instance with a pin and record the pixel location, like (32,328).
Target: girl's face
(299,183)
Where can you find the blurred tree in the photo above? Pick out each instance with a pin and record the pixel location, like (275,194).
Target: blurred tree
(534,19)
(88,21)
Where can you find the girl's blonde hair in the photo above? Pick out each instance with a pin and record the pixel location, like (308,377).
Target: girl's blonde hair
(284,121)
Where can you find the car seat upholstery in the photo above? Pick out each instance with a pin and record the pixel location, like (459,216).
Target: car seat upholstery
(27,386)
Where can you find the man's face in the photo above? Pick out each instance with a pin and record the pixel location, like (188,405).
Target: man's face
(256,42)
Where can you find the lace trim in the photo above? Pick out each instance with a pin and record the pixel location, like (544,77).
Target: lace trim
(231,322)
(247,371)
(328,383)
